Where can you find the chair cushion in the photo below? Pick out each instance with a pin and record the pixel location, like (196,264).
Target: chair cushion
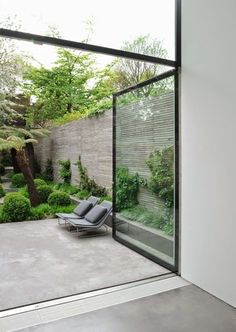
(96,214)
(83,208)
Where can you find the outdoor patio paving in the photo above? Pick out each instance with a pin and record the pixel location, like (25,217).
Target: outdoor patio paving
(40,261)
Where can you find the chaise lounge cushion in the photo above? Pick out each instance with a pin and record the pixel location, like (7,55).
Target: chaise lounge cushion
(96,214)
(83,208)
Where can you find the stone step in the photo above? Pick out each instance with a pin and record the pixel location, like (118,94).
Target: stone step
(5,179)
(10,190)
(9,169)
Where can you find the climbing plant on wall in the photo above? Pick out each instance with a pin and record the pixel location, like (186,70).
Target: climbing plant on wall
(161,181)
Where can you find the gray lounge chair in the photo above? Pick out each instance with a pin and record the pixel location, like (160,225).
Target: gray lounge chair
(94,219)
(80,211)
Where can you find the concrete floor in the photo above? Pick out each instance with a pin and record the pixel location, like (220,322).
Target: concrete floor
(181,310)
(41,261)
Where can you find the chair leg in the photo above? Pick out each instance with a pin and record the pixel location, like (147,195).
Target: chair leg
(92,235)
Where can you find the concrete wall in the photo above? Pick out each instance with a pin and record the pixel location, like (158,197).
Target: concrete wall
(142,127)
(208,115)
(91,138)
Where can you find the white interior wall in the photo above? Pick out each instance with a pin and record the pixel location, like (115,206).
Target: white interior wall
(208,113)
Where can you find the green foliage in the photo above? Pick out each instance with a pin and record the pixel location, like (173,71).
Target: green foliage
(48,172)
(65,170)
(69,117)
(66,187)
(16,207)
(18,138)
(2,169)
(106,198)
(59,198)
(45,211)
(60,89)
(24,191)
(161,181)
(18,180)
(73,88)
(83,194)
(39,182)
(88,184)
(130,72)
(44,192)
(127,187)
(161,220)
(41,211)
(2,191)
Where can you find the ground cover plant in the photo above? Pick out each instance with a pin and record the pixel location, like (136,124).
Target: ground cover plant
(162,220)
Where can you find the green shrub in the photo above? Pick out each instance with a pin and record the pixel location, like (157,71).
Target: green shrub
(41,211)
(162,220)
(88,184)
(18,180)
(106,198)
(16,207)
(23,191)
(2,169)
(2,218)
(48,172)
(44,211)
(2,191)
(127,187)
(44,192)
(65,170)
(161,181)
(83,194)
(39,182)
(59,198)
(66,187)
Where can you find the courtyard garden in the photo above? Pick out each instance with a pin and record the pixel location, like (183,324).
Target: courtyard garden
(56,136)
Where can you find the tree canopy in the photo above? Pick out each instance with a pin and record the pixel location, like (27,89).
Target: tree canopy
(130,72)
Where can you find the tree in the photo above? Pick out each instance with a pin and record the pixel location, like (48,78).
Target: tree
(131,72)
(60,89)
(17,139)
(11,64)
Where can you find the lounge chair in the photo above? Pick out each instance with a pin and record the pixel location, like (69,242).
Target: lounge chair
(94,219)
(80,211)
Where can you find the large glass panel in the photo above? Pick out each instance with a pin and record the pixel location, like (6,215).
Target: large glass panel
(104,22)
(145,170)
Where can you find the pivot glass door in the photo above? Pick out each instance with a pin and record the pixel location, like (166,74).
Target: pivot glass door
(145,168)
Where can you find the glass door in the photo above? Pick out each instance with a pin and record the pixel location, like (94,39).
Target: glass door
(145,168)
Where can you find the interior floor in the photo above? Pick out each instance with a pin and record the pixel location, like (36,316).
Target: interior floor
(180,310)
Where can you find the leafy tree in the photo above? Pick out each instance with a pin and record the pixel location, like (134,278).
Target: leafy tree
(61,89)
(18,138)
(130,72)
(11,64)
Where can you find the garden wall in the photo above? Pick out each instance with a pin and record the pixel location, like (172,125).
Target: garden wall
(91,138)
(142,127)
(146,124)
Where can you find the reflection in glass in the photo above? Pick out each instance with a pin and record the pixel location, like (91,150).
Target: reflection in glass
(145,158)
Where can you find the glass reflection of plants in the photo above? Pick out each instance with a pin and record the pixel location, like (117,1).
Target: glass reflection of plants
(160,182)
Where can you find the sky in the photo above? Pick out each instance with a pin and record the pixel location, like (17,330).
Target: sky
(113,22)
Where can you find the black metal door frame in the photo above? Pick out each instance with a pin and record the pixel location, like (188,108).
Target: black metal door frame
(170,73)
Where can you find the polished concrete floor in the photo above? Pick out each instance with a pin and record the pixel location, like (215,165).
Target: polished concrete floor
(41,261)
(186,309)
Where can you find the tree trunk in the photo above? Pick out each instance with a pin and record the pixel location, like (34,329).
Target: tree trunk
(32,161)
(15,165)
(23,163)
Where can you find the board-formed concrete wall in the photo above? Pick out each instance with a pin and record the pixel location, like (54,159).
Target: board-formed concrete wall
(142,127)
(91,138)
